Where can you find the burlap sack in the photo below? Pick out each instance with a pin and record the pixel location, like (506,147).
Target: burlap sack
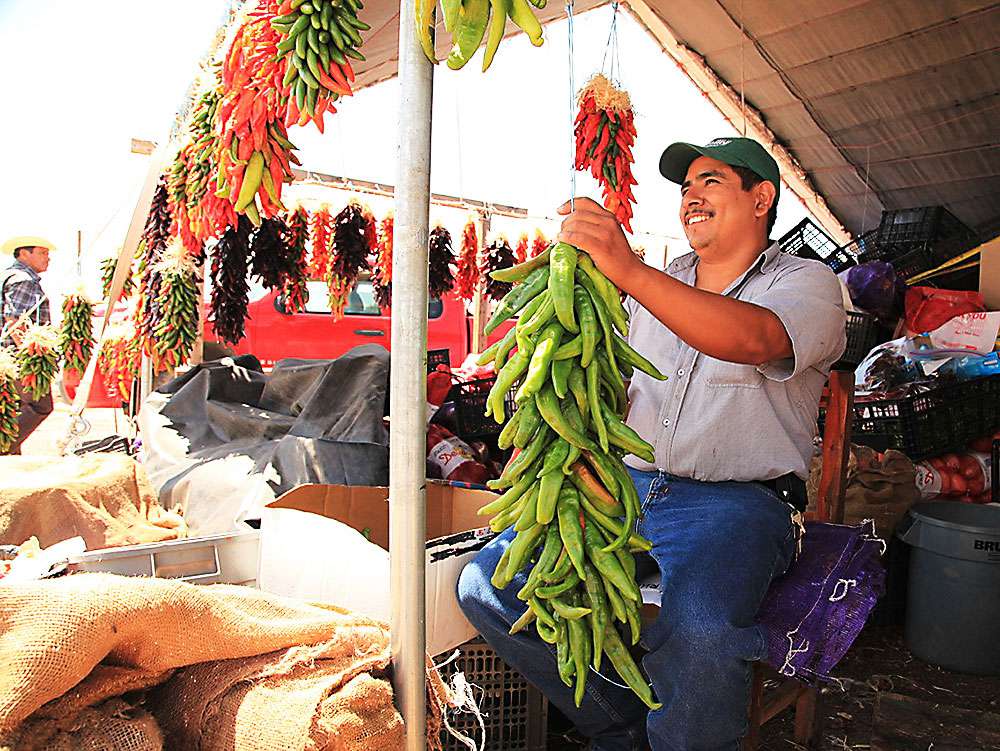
(268,673)
(104,498)
(879,488)
(114,725)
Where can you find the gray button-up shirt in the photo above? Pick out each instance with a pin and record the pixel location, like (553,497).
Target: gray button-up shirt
(714,420)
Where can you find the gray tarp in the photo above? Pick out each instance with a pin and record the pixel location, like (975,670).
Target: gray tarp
(225,439)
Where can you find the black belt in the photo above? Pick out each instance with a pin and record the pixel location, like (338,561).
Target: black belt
(790,488)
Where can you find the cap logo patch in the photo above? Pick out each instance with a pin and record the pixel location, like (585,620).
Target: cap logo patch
(720,142)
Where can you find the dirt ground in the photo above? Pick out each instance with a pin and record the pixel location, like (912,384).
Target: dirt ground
(877,664)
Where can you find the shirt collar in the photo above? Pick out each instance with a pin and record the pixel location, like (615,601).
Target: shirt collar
(765,261)
(19,266)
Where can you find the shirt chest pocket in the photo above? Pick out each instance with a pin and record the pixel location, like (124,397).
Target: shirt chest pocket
(730,375)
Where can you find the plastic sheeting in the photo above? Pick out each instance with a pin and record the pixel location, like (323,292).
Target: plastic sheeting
(225,439)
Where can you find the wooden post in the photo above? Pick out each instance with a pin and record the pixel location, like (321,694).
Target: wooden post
(198,350)
(836,447)
(480,301)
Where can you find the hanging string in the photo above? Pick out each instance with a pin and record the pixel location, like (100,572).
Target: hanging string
(572,106)
(614,68)
(864,210)
(458,137)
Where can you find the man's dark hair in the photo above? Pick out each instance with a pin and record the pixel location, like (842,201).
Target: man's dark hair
(749,179)
(17,252)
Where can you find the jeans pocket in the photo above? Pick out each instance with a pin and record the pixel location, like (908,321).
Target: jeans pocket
(787,554)
(653,492)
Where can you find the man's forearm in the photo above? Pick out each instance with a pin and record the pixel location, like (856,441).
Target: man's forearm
(718,326)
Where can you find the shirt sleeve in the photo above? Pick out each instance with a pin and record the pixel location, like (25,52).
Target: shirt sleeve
(808,302)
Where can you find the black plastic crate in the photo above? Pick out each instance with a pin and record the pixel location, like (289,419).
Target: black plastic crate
(437,357)
(807,240)
(919,225)
(918,240)
(470,408)
(863,332)
(942,419)
(847,255)
(515,713)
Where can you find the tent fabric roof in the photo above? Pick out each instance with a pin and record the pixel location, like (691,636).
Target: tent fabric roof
(884,103)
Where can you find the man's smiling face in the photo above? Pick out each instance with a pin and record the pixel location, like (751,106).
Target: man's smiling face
(715,210)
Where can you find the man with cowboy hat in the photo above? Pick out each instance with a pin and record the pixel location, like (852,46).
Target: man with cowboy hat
(23,301)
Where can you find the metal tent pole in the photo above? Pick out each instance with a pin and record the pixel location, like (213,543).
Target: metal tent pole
(408,382)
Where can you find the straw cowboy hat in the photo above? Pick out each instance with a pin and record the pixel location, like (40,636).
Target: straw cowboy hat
(24,241)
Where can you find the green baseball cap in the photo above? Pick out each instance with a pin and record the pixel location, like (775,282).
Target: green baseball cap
(736,152)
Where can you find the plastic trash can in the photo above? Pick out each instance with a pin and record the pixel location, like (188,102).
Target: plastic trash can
(953,597)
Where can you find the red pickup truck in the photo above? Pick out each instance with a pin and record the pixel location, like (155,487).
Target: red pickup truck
(273,333)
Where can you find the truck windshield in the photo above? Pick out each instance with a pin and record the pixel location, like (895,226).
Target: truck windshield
(360,302)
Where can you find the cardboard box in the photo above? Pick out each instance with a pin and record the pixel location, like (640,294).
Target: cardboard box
(302,557)
(989,273)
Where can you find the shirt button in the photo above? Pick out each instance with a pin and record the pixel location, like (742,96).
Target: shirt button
(680,372)
(666,423)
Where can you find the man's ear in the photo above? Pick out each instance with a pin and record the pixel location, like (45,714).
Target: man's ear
(765,195)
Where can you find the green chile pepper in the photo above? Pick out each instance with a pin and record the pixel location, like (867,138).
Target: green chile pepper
(528,425)
(624,437)
(518,297)
(512,494)
(521,548)
(548,405)
(555,455)
(526,519)
(633,358)
(468,33)
(546,560)
(600,618)
(548,495)
(508,375)
(489,354)
(607,563)
(570,349)
(579,648)
(562,265)
(609,293)
(541,361)
(626,667)
(521,270)
(506,438)
(528,326)
(568,612)
(554,590)
(504,348)
(578,387)
(594,400)
(564,660)
(523,621)
(568,512)
(560,376)
(516,466)
(589,332)
(498,580)
(603,317)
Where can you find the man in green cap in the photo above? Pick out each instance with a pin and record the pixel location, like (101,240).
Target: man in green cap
(23,302)
(746,335)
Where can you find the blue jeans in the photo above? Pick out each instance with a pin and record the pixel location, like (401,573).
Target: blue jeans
(718,546)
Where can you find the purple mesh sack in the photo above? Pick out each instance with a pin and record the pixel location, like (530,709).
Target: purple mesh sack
(874,287)
(812,614)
